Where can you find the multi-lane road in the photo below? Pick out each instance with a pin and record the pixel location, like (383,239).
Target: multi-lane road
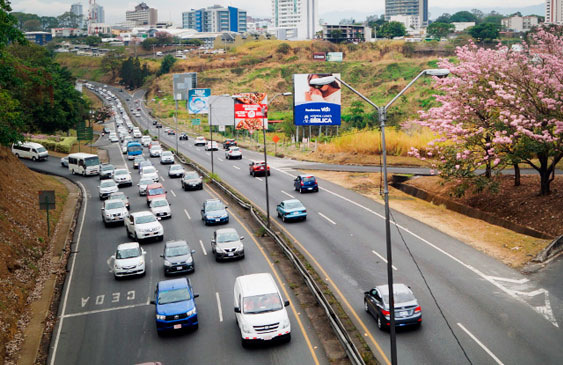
(483,312)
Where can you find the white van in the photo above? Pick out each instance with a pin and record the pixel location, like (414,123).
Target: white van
(34,151)
(84,164)
(259,309)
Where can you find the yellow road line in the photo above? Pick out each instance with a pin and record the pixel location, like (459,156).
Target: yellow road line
(342,298)
(272,267)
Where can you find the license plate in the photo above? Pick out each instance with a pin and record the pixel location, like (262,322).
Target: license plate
(231,254)
(309,188)
(268,337)
(403,314)
(217,220)
(177,326)
(179,268)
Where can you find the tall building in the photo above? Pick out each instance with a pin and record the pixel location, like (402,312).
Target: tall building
(142,15)
(97,14)
(77,10)
(295,19)
(554,11)
(408,7)
(215,19)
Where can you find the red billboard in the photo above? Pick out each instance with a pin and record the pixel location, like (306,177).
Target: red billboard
(248,111)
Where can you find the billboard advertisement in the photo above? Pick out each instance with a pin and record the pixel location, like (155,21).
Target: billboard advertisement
(316,104)
(221,110)
(334,56)
(181,83)
(248,111)
(198,101)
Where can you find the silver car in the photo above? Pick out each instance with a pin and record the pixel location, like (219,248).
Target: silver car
(129,260)
(143,183)
(114,211)
(122,177)
(226,244)
(107,187)
(166,157)
(161,208)
(175,171)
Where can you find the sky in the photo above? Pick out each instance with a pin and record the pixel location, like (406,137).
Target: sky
(330,10)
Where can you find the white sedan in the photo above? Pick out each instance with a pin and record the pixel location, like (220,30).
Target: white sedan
(199,141)
(155,151)
(166,157)
(122,177)
(129,259)
(149,172)
(107,187)
(233,152)
(175,171)
(143,183)
(161,208)
(114,211)
(144,225)
(212,145)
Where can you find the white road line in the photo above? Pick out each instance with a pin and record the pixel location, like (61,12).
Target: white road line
(236,167)
(219,307)
(173,193)
(161,179)
(57,336)
(105,310)
(220,159)
(203,247)
(489,352)
(187,214)
(327,218)
(291,196)
(257,178)
(384,259)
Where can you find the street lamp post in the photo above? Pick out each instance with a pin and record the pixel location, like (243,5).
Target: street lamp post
(382,112)
(211,129)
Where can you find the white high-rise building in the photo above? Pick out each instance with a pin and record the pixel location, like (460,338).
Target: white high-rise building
(77,10)
(97,14)
(554,11)
(295,19)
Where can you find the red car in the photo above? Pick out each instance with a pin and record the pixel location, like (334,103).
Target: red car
(258,168)
(154,191)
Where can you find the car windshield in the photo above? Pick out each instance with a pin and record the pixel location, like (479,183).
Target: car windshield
(107,167)
(177,251)
(166,153)
(293,205)
(191,175)
(107,184)
(159,203)
(213,206)
(139,159)
(156,191)
(41,149)
(174,296)
(134,148)
(121,172)
(115,205)
(400,297)
(234,149)
(145,219)
(262,303)
(156,148)
(229,236)
(92,161)
(149,170)
(309,179)
(128,253)
(175,167)
(146,181)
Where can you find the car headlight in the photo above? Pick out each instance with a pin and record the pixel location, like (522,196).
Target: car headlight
(190,260)
(218,250)
(246,328)
(191,313)
(117,266)
(160,317)
(285,323)
(240,248)
(167,263)
(141,263)
(224,215)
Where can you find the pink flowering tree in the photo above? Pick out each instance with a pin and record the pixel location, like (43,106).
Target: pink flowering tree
(499,107)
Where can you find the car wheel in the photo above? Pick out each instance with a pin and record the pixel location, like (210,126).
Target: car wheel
(304,218)
(379,323)
(245,343)
(283,218)
(268,173)
(366,307)
(300,190)
(84,173)
(279,215)
(72,171)
(33,158)
(253,174)
(17,155)
(135,237)
(161,238)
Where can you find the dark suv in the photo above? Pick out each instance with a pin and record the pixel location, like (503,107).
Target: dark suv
(304,183)
(229,143)
(177,257)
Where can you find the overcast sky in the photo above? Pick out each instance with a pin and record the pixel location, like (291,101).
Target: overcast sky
(172,9)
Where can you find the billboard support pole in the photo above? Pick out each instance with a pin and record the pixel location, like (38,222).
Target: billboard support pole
(176,117)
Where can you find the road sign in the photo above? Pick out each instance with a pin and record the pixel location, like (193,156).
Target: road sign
(196,121)
(221,128)
(46,199)
(275,138)
(85,134)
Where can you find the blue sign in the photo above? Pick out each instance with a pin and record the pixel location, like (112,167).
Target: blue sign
(316,104)
(198,101)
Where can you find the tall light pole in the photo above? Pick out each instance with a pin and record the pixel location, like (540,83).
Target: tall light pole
(382,112)
(211,129)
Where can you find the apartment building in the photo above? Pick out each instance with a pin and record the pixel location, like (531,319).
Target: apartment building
(295,19)
(410,8)
(215,19)
(142,15)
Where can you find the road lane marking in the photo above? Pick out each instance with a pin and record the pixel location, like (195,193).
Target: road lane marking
(278,279)
(219,307)
(220,159)
(327,218)
(236,167)
(161,178)
(57,336)
(104,310)
(489,352)
(291,196)
(187,214)
(173,193)
(203,247)
(257,178)
(384,259)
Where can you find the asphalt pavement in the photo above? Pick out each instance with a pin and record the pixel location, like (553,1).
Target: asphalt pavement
(475,309)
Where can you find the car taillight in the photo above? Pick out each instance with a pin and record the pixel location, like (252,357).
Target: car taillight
(302,183)
(417,309)
(385,313)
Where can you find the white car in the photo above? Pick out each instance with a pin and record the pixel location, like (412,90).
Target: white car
(129,259)
(212,145)
(166,157)
(175,171)
(161,208)
(145,140)
(155,151)
(149,172)
(107,187)
(113,137)
(122,177)
(143,183)
(144,225)
(233,152)
(114,211)
(199,141)
(137,133)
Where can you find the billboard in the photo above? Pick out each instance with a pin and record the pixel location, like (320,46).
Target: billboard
(319,56)
(248,111)
(198,101)
(181,83)
(316,104)
(221,110)
(334,56)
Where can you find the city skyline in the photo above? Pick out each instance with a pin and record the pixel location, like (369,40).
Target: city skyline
(328,9)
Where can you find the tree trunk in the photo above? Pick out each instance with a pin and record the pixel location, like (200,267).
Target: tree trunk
(488,170)
(516,175)
(545,182)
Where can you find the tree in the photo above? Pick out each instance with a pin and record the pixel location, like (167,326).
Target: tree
(49,22)
(335,35)
(283,48)
(23,17)
(111,62)
(357,119)
(440,30)
(132,74)
(463,16)
(149,43)
(163,38)
(167,63)
(444,18)
(69,20)
(485,32)
(31,25)
(478,14)
(93,40)
(8,26)
(494,18)
(500,107)
(392,30)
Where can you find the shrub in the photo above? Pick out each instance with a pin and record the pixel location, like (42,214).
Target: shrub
(63,146)
(283,48)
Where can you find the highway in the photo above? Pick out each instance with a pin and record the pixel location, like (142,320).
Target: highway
(104,321)
(492,314)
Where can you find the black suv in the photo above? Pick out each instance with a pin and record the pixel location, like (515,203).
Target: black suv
(228,143)
(178,257)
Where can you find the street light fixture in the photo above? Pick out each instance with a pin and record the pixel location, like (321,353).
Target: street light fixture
(263,110)
(382,112)
(211,129)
